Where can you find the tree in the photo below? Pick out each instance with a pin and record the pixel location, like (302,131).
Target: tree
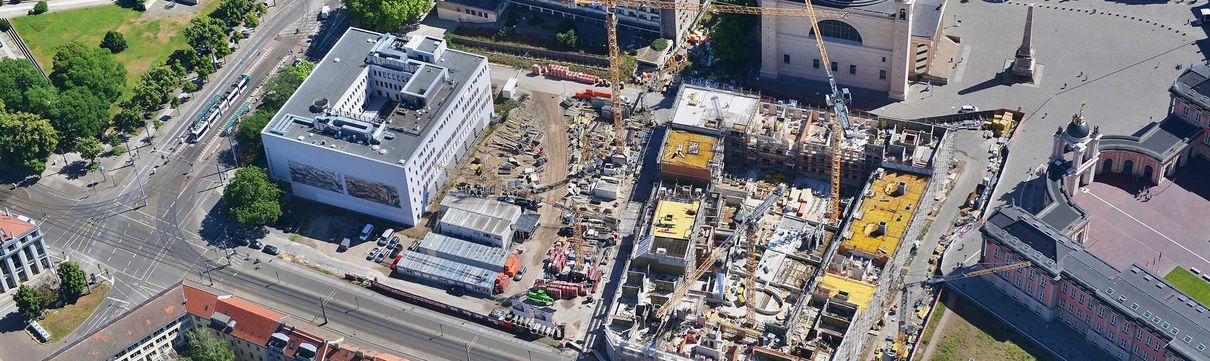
(730,38)
(78,113)
(251,20)
(207,35)
(89,148)
(114,41)
(18,80)
(251,198)
(39,8)
(28,302)
(659,44)
(128,119)
(232,12)
(249,128)
(4,25)
(283,84)
(26,140)
(201,345)
(386,15)
(153,88)
(71,281)
(77,66)
(567,39)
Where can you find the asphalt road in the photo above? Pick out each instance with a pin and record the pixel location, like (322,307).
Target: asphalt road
(146,243)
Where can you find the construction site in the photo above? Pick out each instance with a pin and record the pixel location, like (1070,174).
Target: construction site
(751,249)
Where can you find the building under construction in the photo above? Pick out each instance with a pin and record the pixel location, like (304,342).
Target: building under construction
(732,267)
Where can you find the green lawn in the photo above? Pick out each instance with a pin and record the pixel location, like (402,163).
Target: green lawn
(1191,284)
(62,322)
(149,41)
(976,334)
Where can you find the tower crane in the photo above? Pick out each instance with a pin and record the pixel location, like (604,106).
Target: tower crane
(615,60)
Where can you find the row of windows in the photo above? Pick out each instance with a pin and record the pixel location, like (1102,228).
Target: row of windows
(836,66)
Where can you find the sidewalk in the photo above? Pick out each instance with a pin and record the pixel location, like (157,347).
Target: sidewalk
(1063,342)
(340,267)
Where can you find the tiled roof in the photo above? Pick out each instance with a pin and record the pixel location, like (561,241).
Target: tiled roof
(199,302)
(13,227)
(128,329)
(252,322)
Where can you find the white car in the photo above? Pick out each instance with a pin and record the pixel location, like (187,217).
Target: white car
(967,109)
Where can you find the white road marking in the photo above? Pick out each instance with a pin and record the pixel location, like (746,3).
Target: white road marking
(1149,227)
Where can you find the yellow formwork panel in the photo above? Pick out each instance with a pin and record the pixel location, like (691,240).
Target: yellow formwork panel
(674,219)
(688,149)
(859,293)
(885,207)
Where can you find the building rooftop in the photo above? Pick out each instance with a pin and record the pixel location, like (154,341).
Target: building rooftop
(853,291)
(325,113)
(127,329)
(688,149)
(252,322)
(713,109)
(1193,85)
(479,205)
(12,227)
(1136,292)
(674,219)
(460,272)
(446,247)
(476,221)
(481,4)
(886,209)
(926,17)
(1159,140)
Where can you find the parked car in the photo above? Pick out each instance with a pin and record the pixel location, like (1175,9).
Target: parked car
(271,250)
(373,253)
(382,241)
(393,242)
(517,277)
(344,245)
(381,255)
(365,232)
(456,291)
(256,244)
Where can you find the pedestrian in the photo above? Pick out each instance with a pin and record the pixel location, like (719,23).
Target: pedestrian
(1081,74)
(1064,86)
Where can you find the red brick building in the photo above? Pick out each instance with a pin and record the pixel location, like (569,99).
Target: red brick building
(1132,314)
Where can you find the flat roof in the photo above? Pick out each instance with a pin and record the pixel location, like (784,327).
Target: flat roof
(702,107)
(479,222)
(446,270)
(344,66)
(674,219)
(688,149)
(859,293)
(885,207)
(479,205)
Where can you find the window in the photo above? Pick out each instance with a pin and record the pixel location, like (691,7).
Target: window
(853,69)
(785,58)
(835,66)
(1201,347)
(1082,301)
(1157,347)
(838,30)
(1113,319)
(1101,312)
(815,63)
(1138,334)
(1041,296)
(884,59)
(1147,314)
(1125,327)
(1188,339)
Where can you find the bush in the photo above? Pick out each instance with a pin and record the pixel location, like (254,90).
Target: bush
(659,44)
(114,41)
(535,20)
(567,39)
(39,8)
(4,25)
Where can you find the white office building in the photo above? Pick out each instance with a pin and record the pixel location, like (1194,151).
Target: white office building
(376,125)
(22,251)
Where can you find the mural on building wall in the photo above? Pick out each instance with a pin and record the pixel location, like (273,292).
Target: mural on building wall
(315,177)
(372,191)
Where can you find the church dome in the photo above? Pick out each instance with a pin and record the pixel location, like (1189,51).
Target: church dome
(1078,130)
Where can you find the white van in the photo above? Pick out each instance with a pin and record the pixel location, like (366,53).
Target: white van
(365,232)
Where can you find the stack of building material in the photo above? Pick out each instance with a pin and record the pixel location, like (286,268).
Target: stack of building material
(562,72)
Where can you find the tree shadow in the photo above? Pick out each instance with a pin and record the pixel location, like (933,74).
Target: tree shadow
(75,170)
(13,322)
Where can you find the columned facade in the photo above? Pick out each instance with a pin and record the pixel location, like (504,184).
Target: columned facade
(22,251)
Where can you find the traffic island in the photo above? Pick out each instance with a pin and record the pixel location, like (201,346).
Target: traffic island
(63,321)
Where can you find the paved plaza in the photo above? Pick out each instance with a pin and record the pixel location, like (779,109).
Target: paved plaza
(1121,66)
(1159,228)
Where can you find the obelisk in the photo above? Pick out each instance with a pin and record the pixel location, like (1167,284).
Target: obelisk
(1023,65)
